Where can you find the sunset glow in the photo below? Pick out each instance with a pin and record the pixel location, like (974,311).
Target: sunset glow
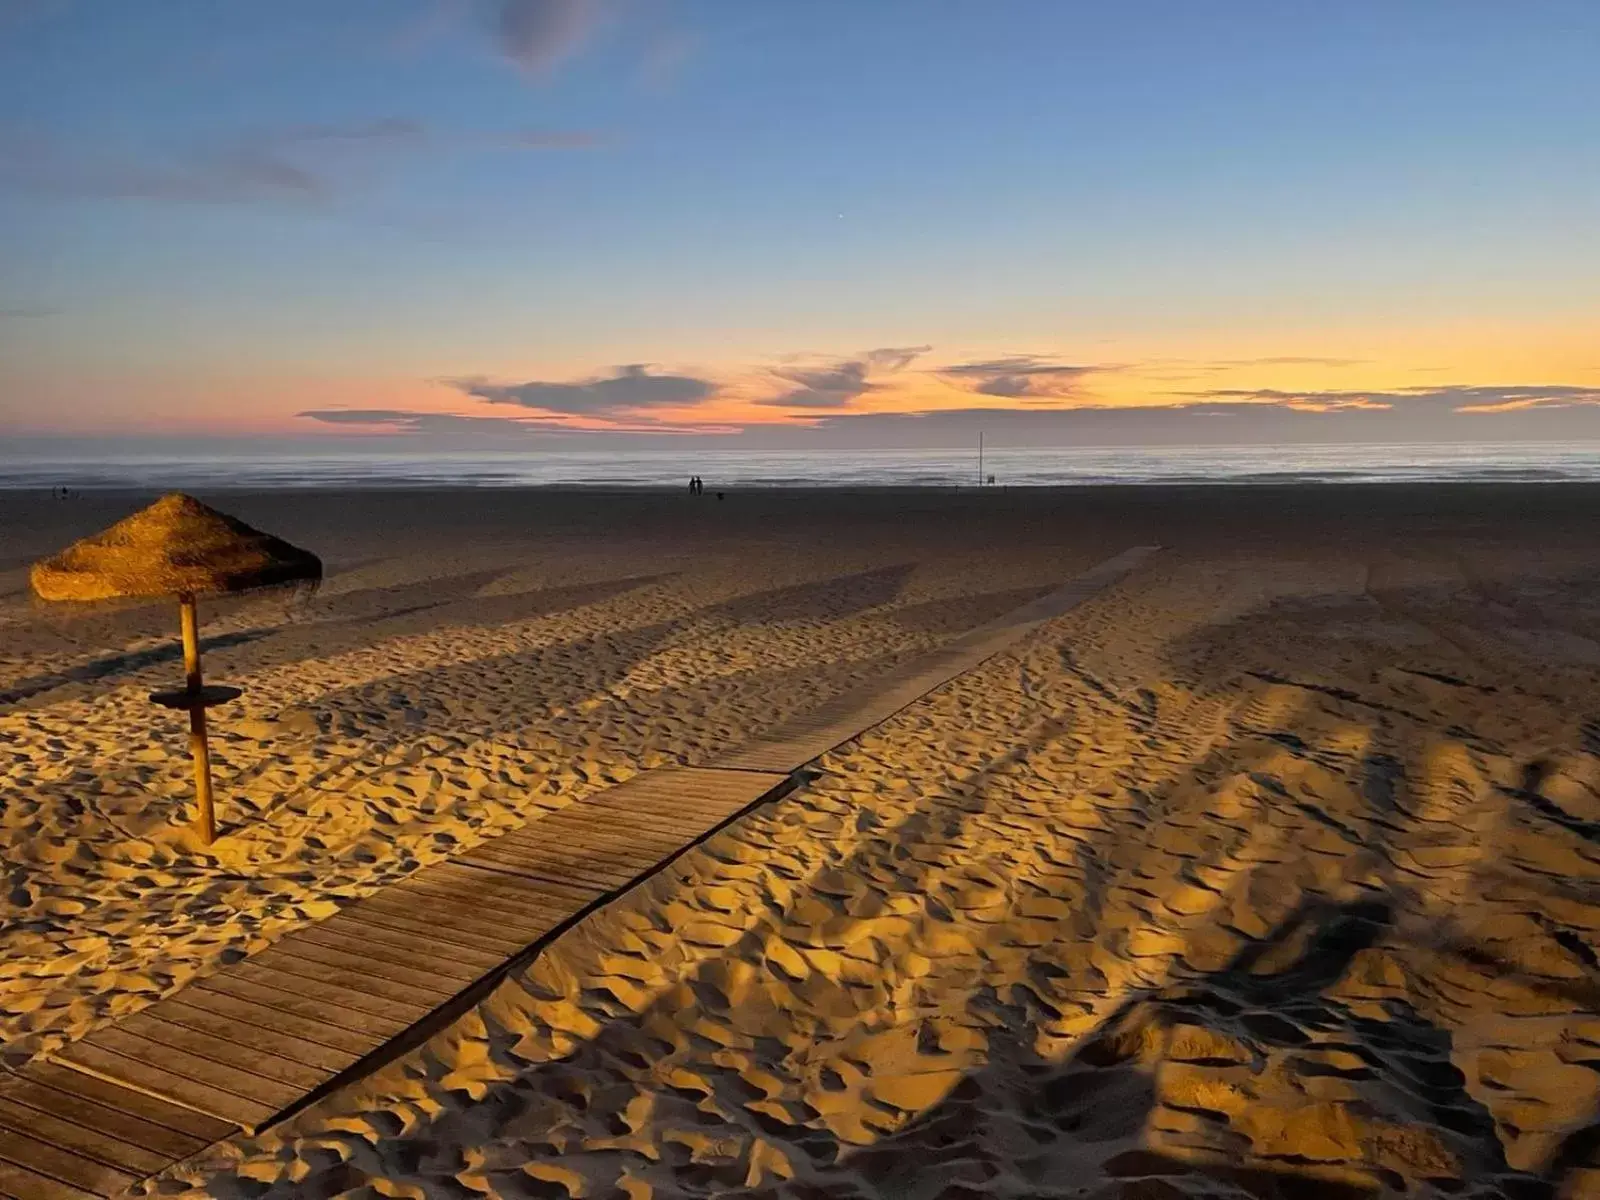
(462,231)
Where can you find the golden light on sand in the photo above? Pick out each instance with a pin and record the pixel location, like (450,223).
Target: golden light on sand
(1274,861)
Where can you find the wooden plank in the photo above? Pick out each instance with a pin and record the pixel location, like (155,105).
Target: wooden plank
(510,865)
(459,918)
(21,1148)
(698,785)
(708,782)
(636,840)
(41,1084)
(301,998)
(790,750)
(611,873)
(601,822)
(445,909)
(302,961)
(144,1035)
(628,868)
(618,809)
(558,890)
(583,830)
(631,857)
(778,756)
(464,882)
(240,1072)
(504,900)
(175,1084)
(194,1028)
(408,920)
(370,966)
(19,1183)
(677,828)
(87,1140)
(516,932)
(348,925)
(580,888)
(616,812)
(202,1008)
(601,878)
(399,1013)
(420,956)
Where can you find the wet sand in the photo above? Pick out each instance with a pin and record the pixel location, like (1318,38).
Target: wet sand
(1274,867)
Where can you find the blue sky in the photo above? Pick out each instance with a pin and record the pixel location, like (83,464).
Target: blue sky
(218,215)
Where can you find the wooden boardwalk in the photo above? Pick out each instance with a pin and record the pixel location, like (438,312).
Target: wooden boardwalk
(257,1040)
(808,737)
(244,1047)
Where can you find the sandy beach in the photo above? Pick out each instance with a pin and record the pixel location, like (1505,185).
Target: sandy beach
(1271,870)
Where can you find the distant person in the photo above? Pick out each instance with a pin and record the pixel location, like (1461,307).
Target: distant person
(693,480)
(991,481)
(719,495)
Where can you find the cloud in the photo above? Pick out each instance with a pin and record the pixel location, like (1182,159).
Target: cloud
(415,422)
(895,358)
(1179,370)
(837,384)
(359,416)
(596,410)
(296,164)
(539,34)
(1464,413)
(1286,360)
(830,387)
(403,420)
(631,388)
(265,165)
(1020,375)
(27,314)
(1458,398)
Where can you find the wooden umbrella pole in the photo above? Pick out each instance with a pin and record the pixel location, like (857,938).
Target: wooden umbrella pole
(197,719)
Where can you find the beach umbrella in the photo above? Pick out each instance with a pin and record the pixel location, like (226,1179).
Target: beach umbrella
(182,549)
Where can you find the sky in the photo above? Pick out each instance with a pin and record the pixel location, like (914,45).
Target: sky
(800,222)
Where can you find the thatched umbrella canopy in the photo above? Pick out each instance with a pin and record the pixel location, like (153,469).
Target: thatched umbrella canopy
(181,548)
(176,547)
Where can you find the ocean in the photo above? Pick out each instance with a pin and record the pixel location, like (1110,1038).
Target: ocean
(1010,466)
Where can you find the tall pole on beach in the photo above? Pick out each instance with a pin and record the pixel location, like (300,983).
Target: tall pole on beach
(198,749)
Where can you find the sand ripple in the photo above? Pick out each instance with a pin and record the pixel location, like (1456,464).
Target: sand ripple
(420,704)
(1181,899)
